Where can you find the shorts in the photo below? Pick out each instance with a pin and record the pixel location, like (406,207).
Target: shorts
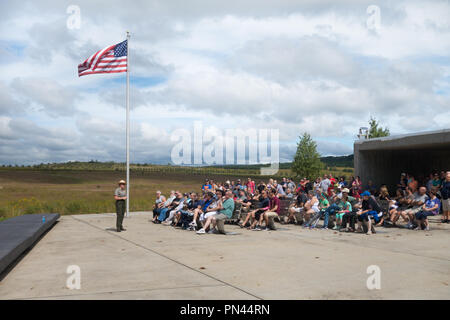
(220,216)
(297,209)
(258,214)
(445,204)
(204,216)
(415,210)
(271,214)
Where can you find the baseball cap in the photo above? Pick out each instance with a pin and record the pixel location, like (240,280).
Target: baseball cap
(365,193)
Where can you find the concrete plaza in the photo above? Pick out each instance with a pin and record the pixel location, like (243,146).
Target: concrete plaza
(151,261)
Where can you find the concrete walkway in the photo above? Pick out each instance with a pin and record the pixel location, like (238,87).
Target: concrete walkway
(157,262)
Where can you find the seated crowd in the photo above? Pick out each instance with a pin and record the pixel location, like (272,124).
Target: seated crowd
(343,205)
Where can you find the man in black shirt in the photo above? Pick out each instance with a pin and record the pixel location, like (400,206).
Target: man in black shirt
(445,193)
(261,187)
(263,206)
(308,186)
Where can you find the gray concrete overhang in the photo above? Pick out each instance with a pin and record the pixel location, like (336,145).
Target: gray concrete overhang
(438,139)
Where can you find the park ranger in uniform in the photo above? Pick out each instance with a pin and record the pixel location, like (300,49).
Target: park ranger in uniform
(121,196)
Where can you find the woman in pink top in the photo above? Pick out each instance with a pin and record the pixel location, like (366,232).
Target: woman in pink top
(250,186)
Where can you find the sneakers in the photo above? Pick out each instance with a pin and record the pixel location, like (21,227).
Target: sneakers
(201,231)
(193,224)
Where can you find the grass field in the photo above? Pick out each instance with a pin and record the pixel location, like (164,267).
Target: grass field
(28,191)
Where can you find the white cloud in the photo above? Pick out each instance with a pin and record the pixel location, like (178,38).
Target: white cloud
(292,65)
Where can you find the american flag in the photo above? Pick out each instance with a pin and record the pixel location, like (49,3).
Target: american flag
(112,59)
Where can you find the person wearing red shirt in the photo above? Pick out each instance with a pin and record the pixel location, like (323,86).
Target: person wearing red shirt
(250,186)
(274,210)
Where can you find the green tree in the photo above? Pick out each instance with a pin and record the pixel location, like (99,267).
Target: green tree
(307,160)
(375,131)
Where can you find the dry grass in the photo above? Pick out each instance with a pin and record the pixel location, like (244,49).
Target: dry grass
(26,192)
(76,192)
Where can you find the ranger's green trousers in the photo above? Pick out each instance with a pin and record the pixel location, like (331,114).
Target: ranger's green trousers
(120,210)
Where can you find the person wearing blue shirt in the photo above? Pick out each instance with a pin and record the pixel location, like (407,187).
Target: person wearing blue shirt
(209,198)
(429,208)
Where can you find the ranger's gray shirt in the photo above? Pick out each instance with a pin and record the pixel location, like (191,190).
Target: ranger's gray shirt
(120,193)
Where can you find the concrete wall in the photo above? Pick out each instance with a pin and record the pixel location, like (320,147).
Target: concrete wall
(383,160)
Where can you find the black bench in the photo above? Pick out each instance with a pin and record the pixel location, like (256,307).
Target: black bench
(20,233)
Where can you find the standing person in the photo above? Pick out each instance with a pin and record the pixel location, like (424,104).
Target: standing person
(250,186)
(413,183)
(403,182)
(279,189)
(316,186)
(325,184)
(332,180)
(445,193)
(120,195)
(291,184)
(206,187)
(261,186)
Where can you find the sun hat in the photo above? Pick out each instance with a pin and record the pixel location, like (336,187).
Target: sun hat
(345,190)
(122,182)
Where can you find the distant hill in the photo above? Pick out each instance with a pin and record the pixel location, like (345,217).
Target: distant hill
(343,161)
(330,161)
(337,162)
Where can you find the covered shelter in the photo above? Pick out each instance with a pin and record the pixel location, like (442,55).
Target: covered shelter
(382,160)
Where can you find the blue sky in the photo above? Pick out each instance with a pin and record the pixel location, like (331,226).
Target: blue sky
(294,66)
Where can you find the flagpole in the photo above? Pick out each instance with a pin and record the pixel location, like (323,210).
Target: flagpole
(128,124)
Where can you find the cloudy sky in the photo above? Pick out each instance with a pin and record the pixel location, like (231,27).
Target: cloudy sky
(320,66)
